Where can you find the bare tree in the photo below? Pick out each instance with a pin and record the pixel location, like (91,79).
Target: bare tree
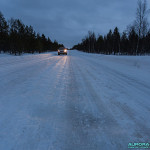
(141,22)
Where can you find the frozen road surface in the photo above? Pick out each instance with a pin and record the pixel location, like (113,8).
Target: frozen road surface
(76,102)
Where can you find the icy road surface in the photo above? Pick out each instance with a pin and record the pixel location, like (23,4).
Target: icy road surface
(76,102)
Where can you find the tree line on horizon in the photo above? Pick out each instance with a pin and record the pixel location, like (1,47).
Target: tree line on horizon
(134,41)
(17,38)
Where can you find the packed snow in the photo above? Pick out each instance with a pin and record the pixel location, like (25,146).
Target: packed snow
(76,102)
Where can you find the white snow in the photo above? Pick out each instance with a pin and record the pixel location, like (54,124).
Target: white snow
(76,102)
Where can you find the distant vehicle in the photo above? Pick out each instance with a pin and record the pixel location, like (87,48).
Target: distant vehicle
(62,50)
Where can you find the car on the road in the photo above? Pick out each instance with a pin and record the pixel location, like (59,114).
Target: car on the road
(62,50)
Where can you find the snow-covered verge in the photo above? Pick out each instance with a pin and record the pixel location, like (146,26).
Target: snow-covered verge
(76,102)
(136,66)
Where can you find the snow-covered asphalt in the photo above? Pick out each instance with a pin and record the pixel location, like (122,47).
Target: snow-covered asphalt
(76,102)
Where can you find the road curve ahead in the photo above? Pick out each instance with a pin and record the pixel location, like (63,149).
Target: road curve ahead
(76,102)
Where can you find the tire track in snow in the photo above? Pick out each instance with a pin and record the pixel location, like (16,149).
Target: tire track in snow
(41,112)
(140,128)
(107,123)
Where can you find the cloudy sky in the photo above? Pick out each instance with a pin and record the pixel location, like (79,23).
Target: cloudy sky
(68,21)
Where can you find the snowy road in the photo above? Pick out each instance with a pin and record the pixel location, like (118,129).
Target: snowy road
(75,102)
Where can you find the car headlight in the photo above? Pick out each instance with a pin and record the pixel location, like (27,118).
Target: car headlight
(65,50)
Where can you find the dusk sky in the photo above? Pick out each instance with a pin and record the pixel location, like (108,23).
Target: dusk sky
(68,21)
